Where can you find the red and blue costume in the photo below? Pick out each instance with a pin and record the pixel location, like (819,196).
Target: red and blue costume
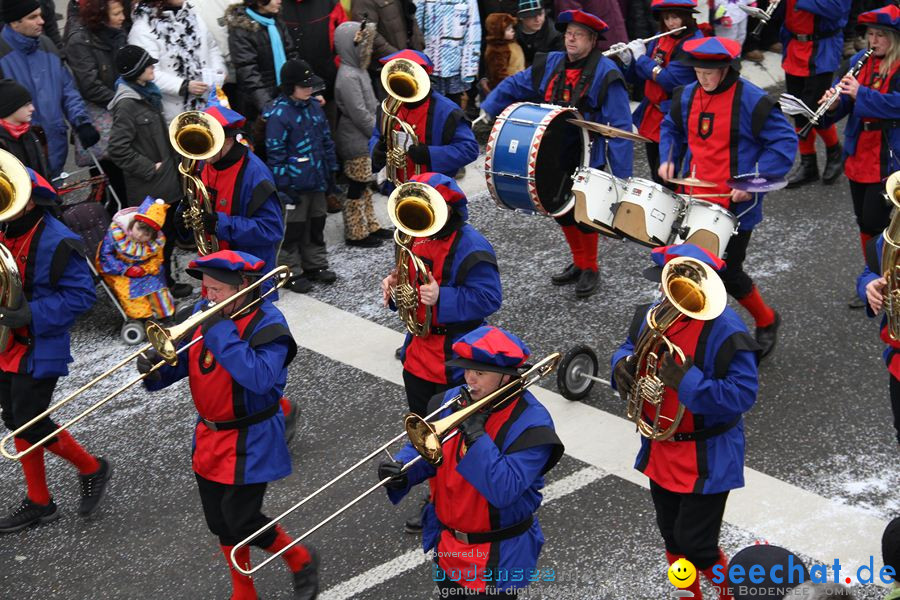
(692,472)
(480,522)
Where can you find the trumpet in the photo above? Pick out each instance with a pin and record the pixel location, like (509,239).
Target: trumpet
(426,437)
(405,82)
(196,136)
(164,340)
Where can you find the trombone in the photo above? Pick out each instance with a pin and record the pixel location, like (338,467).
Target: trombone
(427,438)
(164,340)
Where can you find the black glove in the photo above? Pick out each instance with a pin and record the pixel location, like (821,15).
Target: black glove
(391,468)
(87,135)
(418,154)
(670,372)
(473,427)
(16,317)
(623,373)
(210,221)
(146,361)
(379,156)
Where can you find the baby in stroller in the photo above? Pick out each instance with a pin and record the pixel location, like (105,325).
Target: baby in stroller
(130,260)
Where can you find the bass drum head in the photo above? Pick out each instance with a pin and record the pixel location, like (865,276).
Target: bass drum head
(562,149)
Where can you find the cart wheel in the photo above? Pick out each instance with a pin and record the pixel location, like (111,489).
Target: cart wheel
(570,378)
(133,332)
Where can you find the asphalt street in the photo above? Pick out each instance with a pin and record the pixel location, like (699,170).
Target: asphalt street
(821,425)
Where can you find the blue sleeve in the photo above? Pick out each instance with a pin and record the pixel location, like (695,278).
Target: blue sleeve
(670,77)
(110,263)
(867,277)
(277,155)
(169,374)
(616,111)
(734,393)
(74,294)
(479,295)
(672,139)
(416,474)
(265,226)
(502,478)
(831,9)
(256,369)
(515,88)
(73,103)
(779,142)
(626,349)
(462,149)
(875,105)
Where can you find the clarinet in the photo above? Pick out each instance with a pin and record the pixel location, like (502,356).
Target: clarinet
(825,106)
(764,18)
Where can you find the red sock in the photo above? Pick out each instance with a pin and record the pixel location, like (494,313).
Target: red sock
(571,232)
(241,585)
(285,406)
(66,447)
(762,313)
(829,136)
(35,473)
(864,240)
(694,587)
(808,144)
(589,250)
(721,588)
(296,558)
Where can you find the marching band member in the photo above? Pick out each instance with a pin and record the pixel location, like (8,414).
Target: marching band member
(659,74)
(480,520)
(57,287)
(724,115)
(581,77)
(871,102)
(237,375)
(813,42)
(463,289)
(445,142)
(692,472)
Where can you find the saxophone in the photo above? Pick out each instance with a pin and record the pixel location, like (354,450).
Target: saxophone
(890,259)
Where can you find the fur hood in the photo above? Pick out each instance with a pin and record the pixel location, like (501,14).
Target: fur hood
(354,46)
(495,26)
(236,18)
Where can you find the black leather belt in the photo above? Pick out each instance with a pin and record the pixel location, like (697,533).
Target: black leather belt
(497,535)
(706,433)
(813,37)
(880,125)
(243,422)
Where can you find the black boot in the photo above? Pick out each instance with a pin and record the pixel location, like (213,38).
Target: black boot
(413,524)
(290,421)
(27,514)
(806,171)
(587,284)
(568,275)
(306,580)
(834,164)
(93,488)
(767,336)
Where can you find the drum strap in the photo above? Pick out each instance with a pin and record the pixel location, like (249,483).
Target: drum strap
(587,75)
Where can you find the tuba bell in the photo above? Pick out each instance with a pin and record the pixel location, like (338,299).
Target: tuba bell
(405,83)
(890,258)
(418,211)
(691,289)
(196,136)
(15,191)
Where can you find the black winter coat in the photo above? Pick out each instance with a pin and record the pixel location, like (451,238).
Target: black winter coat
(92,60)
(309,24)
(545,39)
(27,149)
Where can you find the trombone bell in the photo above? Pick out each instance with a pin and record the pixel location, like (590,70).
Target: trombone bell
(694,288)
(196,135)
(417,209)
(405,81)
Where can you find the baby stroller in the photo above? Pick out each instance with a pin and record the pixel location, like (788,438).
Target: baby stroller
(84,211)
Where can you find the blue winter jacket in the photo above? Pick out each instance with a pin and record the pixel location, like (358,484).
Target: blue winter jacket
(766,140)
(299,148)
(606,102)
(35,64)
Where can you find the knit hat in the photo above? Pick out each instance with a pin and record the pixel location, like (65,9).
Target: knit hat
(227,266)
(490,348)
(297,72)
(131,61)
(14,10)
(664,254)
(152,212)
(530,8)
(13,96)
(579,17)
(711,53)
(887,17)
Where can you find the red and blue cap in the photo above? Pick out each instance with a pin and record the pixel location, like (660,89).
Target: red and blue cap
(218,107)
(681,5)
(664,254)
(490,348)
(887,17)
(227,266)
(447,188)
(414,55)
(711,53)
(42,193)
(579,17)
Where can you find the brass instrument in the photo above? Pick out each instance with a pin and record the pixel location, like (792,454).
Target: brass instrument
(15,191)
(418,211)
(405,82)
(164,340)
(890,259)
(196,136)
(425,437)
(691,289)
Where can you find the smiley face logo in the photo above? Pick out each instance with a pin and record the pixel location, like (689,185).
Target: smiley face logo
(682,573)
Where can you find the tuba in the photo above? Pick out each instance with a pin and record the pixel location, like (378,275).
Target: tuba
(15,191)
(890,259)
(418,211)
(405,82)
(196,136)
(691,289)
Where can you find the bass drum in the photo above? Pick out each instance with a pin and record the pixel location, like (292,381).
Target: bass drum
(707,225)
(531,155)
(597,195)
(648,212)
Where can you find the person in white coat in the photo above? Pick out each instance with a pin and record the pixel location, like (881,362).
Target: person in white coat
(190,62)
(213,14)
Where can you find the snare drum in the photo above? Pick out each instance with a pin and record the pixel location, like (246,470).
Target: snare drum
(531,155)
(648,212)
(597,194)
(707,225)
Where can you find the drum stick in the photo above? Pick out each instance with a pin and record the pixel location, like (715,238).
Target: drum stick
(613,51)
(710,195)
